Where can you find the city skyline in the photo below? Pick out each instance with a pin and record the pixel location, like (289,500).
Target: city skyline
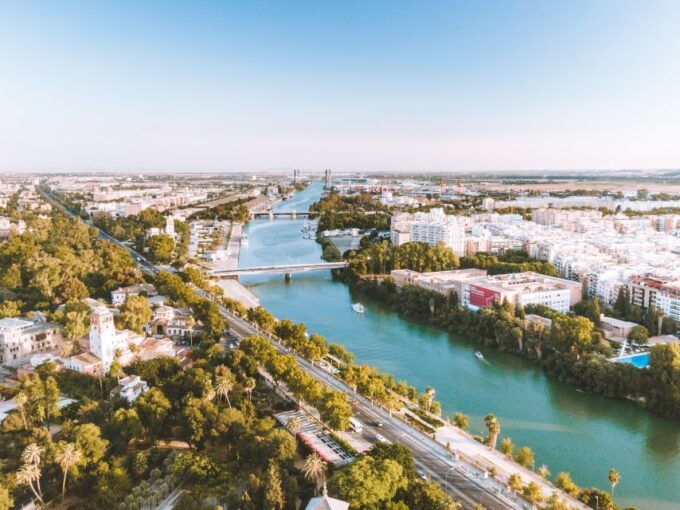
(440,86)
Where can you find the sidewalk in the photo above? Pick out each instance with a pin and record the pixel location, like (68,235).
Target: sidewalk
(476,453)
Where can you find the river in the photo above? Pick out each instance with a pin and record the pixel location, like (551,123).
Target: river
(581,433)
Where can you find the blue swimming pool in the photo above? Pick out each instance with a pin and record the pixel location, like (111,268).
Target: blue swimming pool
(638,360)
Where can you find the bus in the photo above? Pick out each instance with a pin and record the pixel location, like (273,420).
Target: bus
(355,424)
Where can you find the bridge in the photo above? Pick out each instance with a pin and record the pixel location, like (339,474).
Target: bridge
(287,269)
(279,214)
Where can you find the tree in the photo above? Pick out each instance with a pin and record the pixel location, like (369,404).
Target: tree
(9,309)
(27,475)
(249,385)
(461,421)
(544,472)
(623,305)
(638,334)
(6,499)
(525,456)
(614,478)
(67,456)
(224,383)
(32,455)
(493,427)
(507,447)
(75,319)
(88,441)
(314,469)
(190,324)
(335,410)
(135,312)
(160,248)
(368,481)
(116,371)
(127,423)
(153,408)
(563,481)
(274,497)
(262,318)
(515,482)
(72,289)
(532,491)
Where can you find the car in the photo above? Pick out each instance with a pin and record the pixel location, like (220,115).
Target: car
(422,474)
(378,424)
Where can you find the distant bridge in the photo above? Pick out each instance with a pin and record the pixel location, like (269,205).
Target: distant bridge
(279,214)
(287,269)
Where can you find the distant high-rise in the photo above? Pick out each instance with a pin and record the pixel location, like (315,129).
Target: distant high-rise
(296,176)
(327,177)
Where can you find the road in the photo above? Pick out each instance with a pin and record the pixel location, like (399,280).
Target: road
(463,481)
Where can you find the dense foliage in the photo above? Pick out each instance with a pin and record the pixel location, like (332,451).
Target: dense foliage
(235,210)
(58,260)
(337,211)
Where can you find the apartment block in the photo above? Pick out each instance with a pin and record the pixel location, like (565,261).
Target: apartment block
(521,289)
(22,338)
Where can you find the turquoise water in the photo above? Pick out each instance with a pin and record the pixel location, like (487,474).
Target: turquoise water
(637,360)
(568,430)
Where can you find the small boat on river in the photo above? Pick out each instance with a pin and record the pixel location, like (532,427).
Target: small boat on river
(479,356)
(358,308)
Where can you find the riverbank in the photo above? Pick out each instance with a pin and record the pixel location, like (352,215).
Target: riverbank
(582,433)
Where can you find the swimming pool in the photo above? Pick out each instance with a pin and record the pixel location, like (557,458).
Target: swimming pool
(640,360)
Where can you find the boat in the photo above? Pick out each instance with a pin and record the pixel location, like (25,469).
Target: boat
(358,308)
(479,356)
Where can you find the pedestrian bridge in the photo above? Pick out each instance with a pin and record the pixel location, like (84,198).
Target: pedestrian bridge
(287,269)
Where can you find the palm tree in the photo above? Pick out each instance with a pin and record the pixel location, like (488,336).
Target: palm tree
(190,323)
(224,385)
(134,349)
(32,455)
(314,469)
(249,386)
(614,478)
(494,428)
(27,475)
(544,472)
(67,457)
(116,371)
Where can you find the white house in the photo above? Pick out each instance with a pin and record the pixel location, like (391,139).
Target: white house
(131,387)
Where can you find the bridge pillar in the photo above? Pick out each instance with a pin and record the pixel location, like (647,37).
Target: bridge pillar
(293,215)
(288,276)
(271,215)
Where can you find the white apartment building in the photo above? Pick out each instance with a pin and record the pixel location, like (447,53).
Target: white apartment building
(432,227)
(442,282)
(521,289)
(668,300)
(119,296)
(22,338)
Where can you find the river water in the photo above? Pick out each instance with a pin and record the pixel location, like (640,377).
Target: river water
(581,433)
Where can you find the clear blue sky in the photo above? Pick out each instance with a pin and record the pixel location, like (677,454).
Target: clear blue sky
(365,85)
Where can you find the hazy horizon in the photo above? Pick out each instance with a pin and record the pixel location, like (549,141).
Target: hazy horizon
(438,87)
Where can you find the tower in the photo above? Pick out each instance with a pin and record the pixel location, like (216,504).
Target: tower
(103,336)
(296,176)
(170,226)
(327,177)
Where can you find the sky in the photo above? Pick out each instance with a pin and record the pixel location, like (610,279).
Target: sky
(362,85)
